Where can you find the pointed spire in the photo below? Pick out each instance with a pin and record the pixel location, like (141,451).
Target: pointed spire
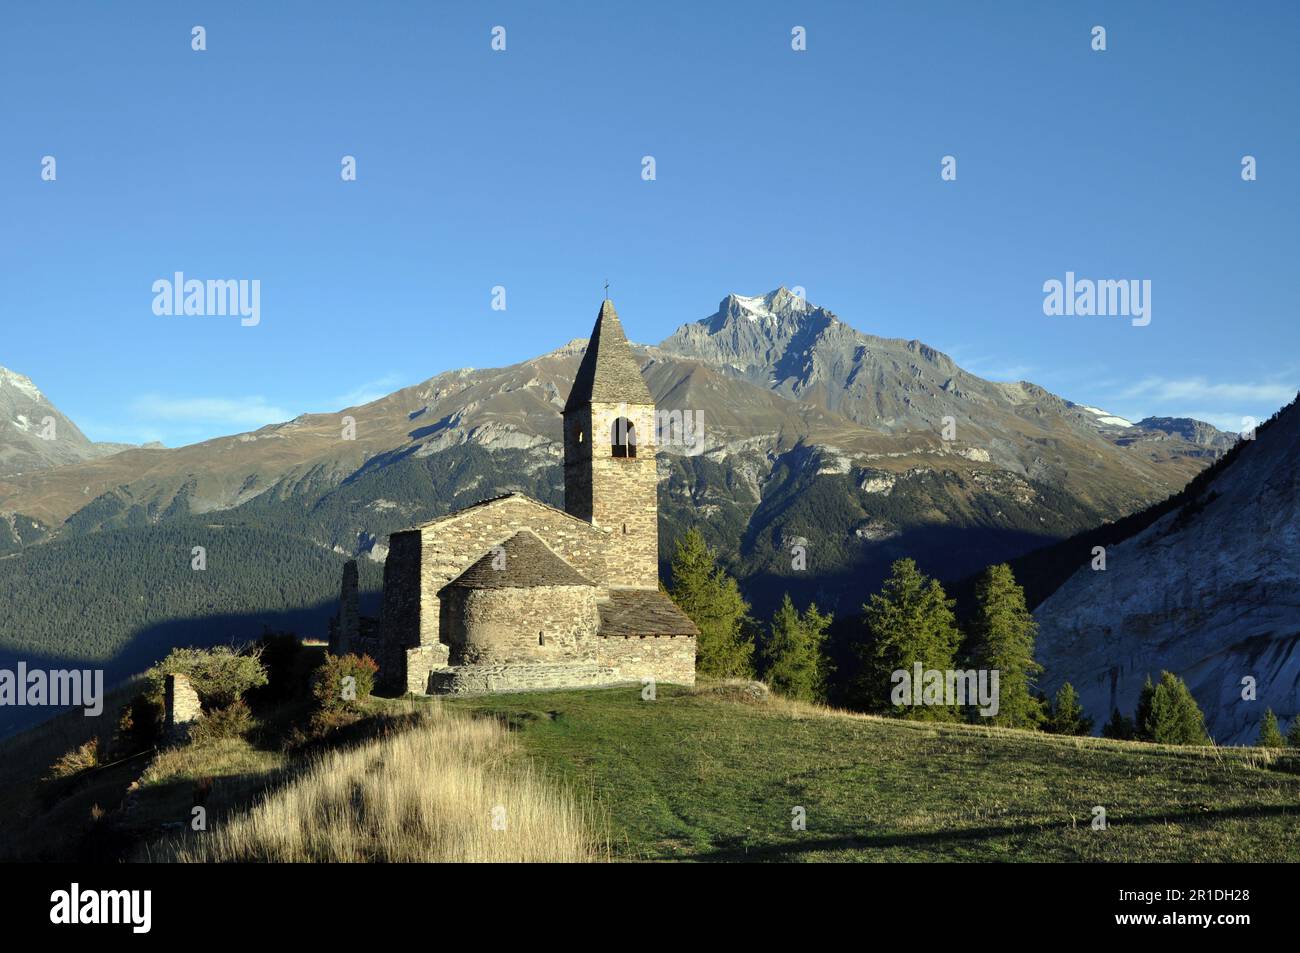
(608,371)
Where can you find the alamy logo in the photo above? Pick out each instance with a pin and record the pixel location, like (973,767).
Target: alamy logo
(1125,298)
(680,428)
(216,296)
(62,688)
(924,686)
(134,907)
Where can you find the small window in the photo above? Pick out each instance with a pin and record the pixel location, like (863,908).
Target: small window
(541,638)
(622,438)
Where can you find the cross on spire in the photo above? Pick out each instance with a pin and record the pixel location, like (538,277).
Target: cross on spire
(606,289)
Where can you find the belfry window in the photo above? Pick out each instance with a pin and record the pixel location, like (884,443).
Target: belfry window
(623,438)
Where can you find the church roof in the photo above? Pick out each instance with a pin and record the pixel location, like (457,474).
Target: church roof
(608,371)
(527,562)
(633,612)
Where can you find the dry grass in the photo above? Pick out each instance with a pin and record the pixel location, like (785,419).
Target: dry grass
(436,792)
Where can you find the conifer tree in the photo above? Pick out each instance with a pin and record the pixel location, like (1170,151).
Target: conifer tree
(794,655)
(712,600)
(1172,716)
(1142,716)
(910,620)
(1120,727)
(1269,734)
(1293,733)
(1067,716)
(1003,632)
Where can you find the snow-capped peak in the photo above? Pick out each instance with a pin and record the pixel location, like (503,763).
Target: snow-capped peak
(19,382)
(766,306)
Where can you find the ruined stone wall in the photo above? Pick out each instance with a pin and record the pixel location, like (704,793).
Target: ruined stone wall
(345,627)
(665,658)
(537,624)
(419,663)
(486,679)
(181,708)
(400,615)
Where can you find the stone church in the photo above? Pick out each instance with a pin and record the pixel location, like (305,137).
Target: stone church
(511,594)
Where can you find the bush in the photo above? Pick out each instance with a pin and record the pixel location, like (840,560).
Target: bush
(330,688)
(220,675)
(81,758)
(233,721)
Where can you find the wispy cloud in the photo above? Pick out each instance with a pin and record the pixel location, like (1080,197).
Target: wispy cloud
(365,393)
(989,367)
(1198,388)
(240,413)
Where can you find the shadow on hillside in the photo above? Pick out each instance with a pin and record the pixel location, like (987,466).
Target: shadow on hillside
(867,842)
(151,644)
(950,554)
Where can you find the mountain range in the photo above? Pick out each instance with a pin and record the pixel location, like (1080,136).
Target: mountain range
(859,449)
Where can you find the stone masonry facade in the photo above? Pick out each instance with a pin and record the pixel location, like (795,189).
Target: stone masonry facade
(513,595)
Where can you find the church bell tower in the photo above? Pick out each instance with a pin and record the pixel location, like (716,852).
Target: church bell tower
(609,454)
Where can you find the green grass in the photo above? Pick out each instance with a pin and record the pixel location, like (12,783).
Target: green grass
(712,775)
(695,775)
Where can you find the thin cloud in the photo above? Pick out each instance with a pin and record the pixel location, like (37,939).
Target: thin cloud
(240,413)
(1198,388)
(370,390)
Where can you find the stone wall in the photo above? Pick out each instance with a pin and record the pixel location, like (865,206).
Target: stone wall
(400,616)
(536,624)
(665,658)
(345,627)
(448,546)
(419,663)
(617,494)
(486,679)
(669,660)
(181,706)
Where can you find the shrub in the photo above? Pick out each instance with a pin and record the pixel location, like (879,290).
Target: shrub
(81,758)
(220,675)
(233,721)
(330,686)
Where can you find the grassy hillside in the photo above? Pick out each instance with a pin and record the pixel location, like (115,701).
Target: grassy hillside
(710,774)
(698,776)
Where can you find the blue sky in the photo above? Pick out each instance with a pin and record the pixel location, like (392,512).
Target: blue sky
(523,169)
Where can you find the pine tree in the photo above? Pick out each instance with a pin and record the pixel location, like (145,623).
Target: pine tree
(1293,733)
(712,600)
(1142,716)
(794,655)
(910,620)
(1120,727)
(1172,716)
(1269,734)
(1067,717)
(1003,632)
